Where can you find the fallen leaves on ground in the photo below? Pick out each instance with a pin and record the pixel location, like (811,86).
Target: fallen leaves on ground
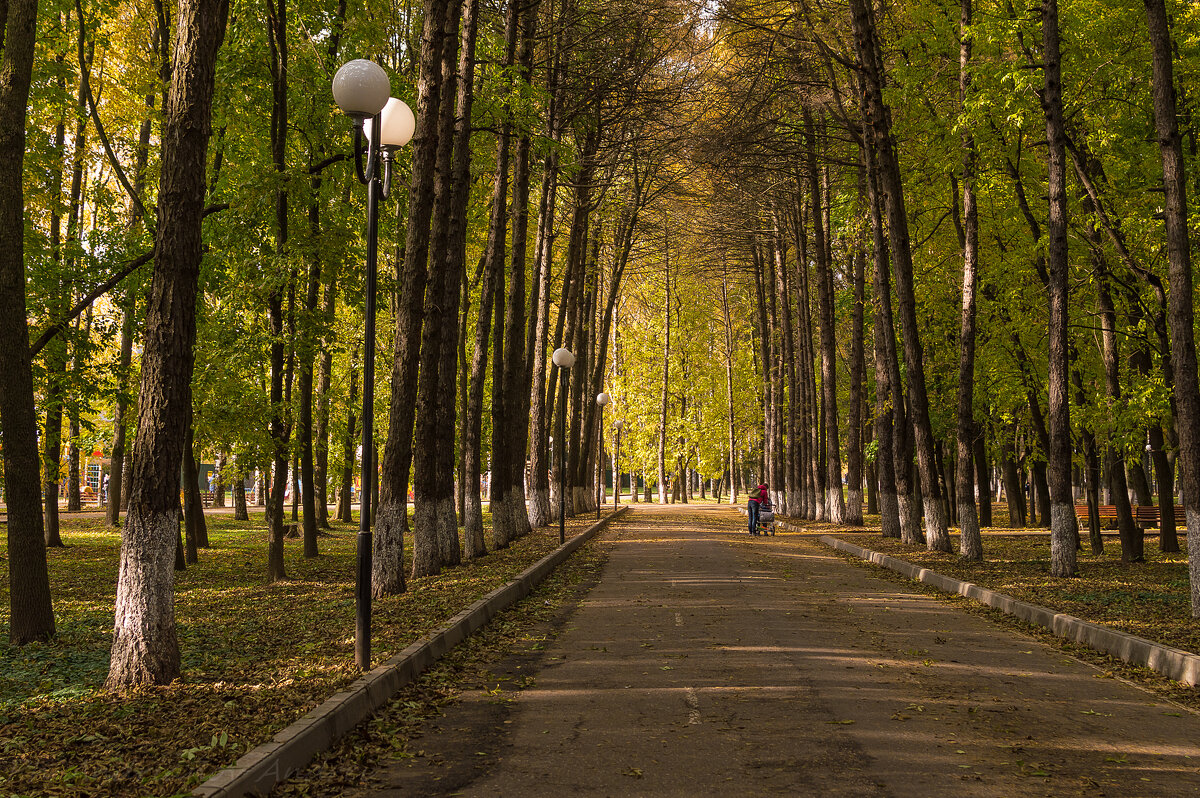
(1150,599)
(255,656)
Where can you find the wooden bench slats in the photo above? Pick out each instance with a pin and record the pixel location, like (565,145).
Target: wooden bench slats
(1143,514)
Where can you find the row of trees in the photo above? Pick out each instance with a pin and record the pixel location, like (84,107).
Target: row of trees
(1007,331)
(713,208)
(545,132)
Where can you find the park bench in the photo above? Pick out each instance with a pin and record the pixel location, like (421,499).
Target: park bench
(1106,512)
(1144,515)
(1149,515)
(206,498)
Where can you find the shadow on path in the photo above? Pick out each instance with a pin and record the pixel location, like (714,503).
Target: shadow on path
(707,661)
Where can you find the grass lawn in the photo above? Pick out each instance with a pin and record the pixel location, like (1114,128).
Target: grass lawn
(255,657)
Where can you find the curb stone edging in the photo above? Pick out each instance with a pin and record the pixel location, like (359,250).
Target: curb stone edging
(1174,663)
(259,770)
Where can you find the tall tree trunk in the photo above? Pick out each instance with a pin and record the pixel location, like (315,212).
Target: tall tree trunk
(892,185)
(731,408)
(776,464)
(854,422)
(1063,529)
(460,73)
(970,542)
(306,354)
(1014,495)
(510,428)
(542,460)
(559,394)
(191,498)
(391,513)
(887,458)
(666,368)
(240,512)
(464,376)
(540,513)
(1091,471)
(314,443)
(73,222)
(347,488)
(56,374)
(1183,348)
(1164,473)
(835,504)
(435,526)
(790,455)
(279,426)
(810,443)
(474,544)
(56,350)
(983,479)
(1132,541)
(321,426)
(31,614)
(220,479)
(116,483)
(583,405)
(145,649)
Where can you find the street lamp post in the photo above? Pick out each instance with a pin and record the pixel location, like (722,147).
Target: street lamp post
(602,399)
(617,466)
(564,359)
(382,125)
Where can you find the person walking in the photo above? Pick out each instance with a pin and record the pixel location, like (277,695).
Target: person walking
(756,499)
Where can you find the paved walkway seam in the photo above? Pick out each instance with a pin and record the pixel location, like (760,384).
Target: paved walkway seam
(259,770)
(1174,663)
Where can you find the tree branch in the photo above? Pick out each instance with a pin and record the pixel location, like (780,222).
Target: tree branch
(112,282)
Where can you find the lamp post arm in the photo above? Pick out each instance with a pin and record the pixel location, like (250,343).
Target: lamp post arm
(365,175)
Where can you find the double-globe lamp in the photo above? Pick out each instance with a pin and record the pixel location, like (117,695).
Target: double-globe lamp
(563,358)
(382,125)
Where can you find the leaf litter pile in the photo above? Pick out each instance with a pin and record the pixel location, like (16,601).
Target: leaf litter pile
(255,657)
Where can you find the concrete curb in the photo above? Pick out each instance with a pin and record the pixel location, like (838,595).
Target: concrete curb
(1174,663)
(258,771)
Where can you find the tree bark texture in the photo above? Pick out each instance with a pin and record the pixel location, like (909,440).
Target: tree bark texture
(1183,347)
(1063,529)
(31,614)
(1132,539)
(835,503)
(387,576)
(344,512)
(878,120)
(666,368)
(321,424)
(884,351)
(510,428)
(145,649)
(116,483)
(854,416)
(970,541)
(435,525)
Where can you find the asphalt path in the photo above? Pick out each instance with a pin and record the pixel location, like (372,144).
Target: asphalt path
(706,661)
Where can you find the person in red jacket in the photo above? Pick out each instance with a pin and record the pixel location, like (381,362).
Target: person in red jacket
(757,498)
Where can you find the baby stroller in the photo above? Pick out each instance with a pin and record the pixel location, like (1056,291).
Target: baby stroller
(766,518)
